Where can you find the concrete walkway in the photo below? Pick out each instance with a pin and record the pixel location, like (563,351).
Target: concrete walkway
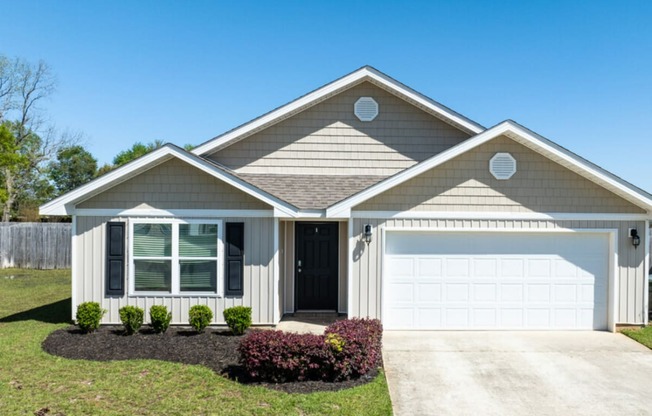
(313,324)
(517,373)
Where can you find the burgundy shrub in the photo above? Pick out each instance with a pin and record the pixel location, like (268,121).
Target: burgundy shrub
(350,348)
(362,349)
(282,356)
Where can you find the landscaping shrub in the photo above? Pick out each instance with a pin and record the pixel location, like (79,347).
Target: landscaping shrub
(360,349)
(160,318)
(284,356)
(349,349)
(200,316)
(89,315)
(132,318)
(238,318)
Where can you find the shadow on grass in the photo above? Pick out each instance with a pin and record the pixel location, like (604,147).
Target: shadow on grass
(54,313)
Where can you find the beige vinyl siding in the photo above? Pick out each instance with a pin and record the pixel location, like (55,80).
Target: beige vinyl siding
(287,247)
(367,260)
(173,185)
(89,269)
(328,139)
(465,184)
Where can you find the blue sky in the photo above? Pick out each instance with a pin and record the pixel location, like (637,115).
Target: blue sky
(577,72)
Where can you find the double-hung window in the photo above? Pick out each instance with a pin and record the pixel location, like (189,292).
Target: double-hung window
(175,257)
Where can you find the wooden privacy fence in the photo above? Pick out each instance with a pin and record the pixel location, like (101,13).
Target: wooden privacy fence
(34,245)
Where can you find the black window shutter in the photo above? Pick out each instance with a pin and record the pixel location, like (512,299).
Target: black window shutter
(115,258)
(234,259)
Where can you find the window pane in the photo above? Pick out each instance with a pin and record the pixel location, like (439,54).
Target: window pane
(198,240)
(198,275)
(153,275)
(152,240)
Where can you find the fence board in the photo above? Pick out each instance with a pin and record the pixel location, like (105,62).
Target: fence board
(33,245)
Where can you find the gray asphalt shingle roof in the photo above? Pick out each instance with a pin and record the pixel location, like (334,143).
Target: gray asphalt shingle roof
(310,191)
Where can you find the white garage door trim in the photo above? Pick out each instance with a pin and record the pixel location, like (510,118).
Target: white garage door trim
(612,287)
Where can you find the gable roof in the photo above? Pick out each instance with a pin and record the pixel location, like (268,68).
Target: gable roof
(366,73)
(521,135)
(64,205)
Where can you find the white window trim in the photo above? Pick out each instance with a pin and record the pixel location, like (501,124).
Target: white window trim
(176,279)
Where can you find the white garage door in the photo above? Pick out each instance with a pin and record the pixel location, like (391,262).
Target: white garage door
(446,280)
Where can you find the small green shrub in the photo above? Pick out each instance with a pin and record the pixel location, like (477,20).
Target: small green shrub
(160,318)
(200,316)
(238,318)
(132,318)
(89,315)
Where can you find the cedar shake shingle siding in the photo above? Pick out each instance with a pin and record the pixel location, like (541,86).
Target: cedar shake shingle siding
(465,184)
(174,185)
(328,139)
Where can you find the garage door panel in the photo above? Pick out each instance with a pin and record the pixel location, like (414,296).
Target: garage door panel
(457,317)
(429,292)
(457,292)
(484,292)
(484,318)
(495,281)
(510,292)
(401,293)
(429,267)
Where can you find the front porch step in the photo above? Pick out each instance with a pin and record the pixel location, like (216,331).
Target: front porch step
(315,314)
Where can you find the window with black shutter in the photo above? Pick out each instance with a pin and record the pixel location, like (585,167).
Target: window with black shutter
(115,258)
(234,259)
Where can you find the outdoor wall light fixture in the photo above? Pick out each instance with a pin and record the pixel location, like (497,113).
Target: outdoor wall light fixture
(367,232)
(636,239)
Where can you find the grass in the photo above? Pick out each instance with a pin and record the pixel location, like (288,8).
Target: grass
(35,303)
(641,335)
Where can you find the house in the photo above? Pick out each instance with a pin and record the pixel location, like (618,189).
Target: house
(367,198)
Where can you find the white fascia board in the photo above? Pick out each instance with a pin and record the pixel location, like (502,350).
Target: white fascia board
(538,143)
(64,204)
(488,215)
(591,172)
(174,213)
(316,96)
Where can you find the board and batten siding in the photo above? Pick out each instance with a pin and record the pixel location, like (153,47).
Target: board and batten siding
(89,269)
(173,185)
(466,184)
(328,139)
(366,285)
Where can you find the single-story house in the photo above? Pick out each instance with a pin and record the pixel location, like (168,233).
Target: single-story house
(370,199)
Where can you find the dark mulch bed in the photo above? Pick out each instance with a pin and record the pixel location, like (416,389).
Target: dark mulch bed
(216,349)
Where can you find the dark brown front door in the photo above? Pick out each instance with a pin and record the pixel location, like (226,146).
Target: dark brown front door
(316,268)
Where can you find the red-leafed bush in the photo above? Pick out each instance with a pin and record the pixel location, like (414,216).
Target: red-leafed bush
(362,346)
(349,349)
(282,356)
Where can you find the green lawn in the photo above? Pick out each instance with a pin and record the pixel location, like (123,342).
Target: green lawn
(642,335)
(34,303)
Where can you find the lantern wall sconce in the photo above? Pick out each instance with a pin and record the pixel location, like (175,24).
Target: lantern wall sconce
(636,239)
(367,233)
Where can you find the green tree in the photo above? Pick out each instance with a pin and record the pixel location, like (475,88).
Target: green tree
(137,150)
(74,167)
(26,141)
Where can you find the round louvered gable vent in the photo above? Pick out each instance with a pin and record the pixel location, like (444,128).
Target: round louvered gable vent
(502,166)
(366,108)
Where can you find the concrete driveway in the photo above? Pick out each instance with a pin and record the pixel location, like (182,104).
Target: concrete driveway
(517,373)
